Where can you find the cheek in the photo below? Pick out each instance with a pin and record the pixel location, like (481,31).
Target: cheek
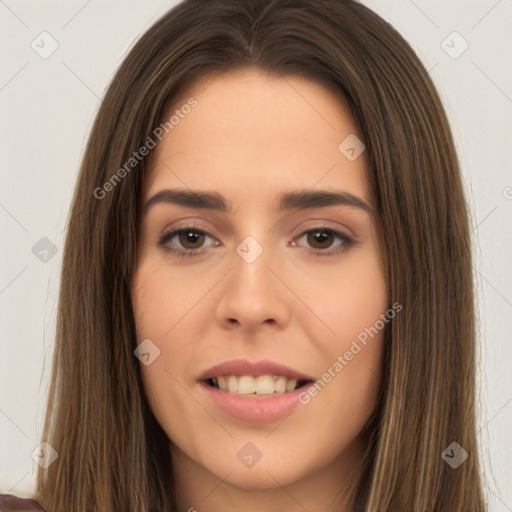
(160,301)
(161,391)
(161,298)
(351,302)
(354,307)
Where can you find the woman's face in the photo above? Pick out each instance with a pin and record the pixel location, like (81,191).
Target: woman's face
(280,286)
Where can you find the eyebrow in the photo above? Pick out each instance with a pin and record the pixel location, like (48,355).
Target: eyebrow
(300,199)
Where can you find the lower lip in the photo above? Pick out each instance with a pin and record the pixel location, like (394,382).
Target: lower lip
(254,410)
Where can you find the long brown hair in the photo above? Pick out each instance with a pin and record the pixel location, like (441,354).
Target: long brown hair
(113,455)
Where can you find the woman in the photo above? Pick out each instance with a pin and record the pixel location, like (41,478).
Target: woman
(266,299)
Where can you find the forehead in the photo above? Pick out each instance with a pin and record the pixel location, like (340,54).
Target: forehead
(251,134)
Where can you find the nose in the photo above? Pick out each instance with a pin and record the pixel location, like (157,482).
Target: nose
(253,294)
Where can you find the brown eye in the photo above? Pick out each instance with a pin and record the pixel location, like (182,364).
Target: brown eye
(186,241)
(324,241)
(320,239)
(191,239)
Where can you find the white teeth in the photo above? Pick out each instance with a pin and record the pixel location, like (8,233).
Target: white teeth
(233,384)
(280,385)
(222,382)
(247,385)
(265,385)
(290,385)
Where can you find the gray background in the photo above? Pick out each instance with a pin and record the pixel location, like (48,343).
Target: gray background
(48,104)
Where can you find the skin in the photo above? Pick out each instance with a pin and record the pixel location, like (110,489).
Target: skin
(252,137)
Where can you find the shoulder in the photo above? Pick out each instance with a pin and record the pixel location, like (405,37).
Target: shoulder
(11,503)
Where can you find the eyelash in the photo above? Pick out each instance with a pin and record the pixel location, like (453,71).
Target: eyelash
(347,242)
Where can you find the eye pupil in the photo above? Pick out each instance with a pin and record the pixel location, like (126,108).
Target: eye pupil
(319,236)
(190,237)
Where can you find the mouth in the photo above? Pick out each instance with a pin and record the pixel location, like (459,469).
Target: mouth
(261,391)
(249,386)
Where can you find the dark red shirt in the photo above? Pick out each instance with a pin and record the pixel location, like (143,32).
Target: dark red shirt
(11,503)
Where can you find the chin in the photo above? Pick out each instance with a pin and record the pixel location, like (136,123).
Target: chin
(273,470)
(258,478)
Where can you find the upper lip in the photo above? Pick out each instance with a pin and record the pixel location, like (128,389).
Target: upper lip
(254,368)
